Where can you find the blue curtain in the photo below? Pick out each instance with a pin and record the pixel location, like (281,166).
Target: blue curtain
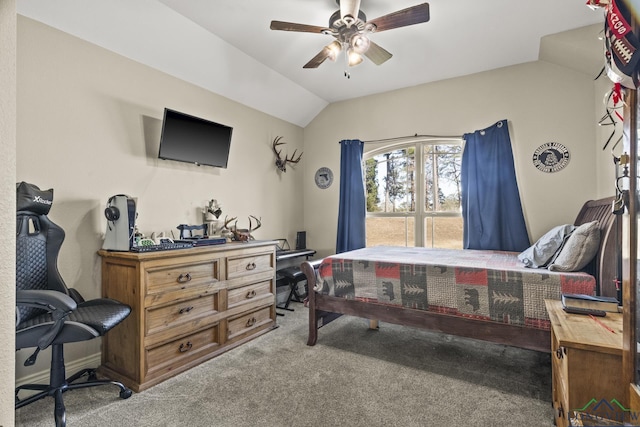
(352,210)
(491,207)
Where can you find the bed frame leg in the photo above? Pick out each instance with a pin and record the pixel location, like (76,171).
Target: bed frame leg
(313,329)
(373,324)
(309,272)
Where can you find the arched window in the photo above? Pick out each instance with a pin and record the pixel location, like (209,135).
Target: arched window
(413,194)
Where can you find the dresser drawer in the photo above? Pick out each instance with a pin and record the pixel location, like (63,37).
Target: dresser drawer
(181,313)
(176,353)
(247,293)
(170,278)
(248,322)
(249,264)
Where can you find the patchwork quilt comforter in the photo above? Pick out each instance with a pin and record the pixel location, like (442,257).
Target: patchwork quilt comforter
(490,285)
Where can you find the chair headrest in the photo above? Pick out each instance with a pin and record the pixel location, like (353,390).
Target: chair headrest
(30,198)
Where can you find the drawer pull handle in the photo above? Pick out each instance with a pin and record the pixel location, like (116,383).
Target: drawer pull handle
(251,322)
(251,266)
(184,348)
(251,294)
(185,310)
(183,278)
(560,411)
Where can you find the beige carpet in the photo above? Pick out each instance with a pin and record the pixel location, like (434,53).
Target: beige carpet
(396,376)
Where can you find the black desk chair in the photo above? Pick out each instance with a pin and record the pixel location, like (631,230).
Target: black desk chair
(48,314)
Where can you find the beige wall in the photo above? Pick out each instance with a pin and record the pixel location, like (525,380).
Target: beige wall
(542,101)
(89,125)
(7,207)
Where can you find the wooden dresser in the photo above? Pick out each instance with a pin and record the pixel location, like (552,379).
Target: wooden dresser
(188,305)
(586,367)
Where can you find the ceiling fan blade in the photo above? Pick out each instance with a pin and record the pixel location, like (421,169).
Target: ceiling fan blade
(377,54)
(349,8)
(402,18)
(318,59)
(302,28)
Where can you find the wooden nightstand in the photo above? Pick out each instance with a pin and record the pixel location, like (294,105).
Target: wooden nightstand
(587,366)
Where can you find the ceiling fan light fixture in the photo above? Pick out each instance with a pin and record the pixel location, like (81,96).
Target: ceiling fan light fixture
(360,43)
(334,50)
(348,20)
(353,57)
(351,30)
(370,27)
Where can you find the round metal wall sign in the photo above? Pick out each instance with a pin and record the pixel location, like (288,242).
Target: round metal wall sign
(551,157)
(324,177)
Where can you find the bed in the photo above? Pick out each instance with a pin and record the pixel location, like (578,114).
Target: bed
(486,295)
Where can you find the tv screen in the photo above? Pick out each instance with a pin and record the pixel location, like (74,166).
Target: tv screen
(194,140)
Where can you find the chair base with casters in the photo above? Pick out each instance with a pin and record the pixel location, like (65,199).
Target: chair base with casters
(58,384)
(73,320)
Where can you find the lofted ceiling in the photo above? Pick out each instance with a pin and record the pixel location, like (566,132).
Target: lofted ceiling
(227,46)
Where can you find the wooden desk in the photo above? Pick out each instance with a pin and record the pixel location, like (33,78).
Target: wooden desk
(586,365)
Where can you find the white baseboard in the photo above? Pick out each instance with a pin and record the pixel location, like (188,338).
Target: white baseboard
(42,377)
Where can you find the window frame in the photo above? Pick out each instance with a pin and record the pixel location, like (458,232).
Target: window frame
(421,214)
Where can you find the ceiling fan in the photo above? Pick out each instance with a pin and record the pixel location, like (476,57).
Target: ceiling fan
(350,28)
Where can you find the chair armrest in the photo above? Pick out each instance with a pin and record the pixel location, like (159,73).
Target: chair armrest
(46,300)
(75,295)
(57,303)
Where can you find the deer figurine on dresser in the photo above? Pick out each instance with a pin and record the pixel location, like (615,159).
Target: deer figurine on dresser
(241,234)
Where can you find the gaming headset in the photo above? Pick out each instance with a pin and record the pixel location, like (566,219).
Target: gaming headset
(112,213)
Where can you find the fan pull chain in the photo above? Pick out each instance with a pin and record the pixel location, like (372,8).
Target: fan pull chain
(346,61)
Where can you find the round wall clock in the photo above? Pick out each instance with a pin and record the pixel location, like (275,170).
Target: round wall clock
(324,177)
(551,157)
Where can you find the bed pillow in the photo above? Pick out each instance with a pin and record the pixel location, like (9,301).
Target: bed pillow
(579,249)
(542,251)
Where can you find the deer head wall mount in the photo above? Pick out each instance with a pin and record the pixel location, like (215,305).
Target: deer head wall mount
(281,163)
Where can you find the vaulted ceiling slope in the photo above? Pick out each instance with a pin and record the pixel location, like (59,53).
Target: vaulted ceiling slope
(227,47)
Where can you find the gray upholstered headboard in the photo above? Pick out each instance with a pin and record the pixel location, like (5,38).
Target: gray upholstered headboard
(605,265)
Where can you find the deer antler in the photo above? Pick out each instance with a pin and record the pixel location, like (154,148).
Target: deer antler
(291,160)
(282,163)
(227,221)
(258,225)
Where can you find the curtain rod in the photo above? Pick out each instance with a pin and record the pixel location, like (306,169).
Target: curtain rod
(400,138)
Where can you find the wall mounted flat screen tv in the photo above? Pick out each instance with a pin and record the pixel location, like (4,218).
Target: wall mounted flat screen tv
(190,139)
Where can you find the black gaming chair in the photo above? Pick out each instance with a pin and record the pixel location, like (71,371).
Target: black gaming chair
(48,314)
